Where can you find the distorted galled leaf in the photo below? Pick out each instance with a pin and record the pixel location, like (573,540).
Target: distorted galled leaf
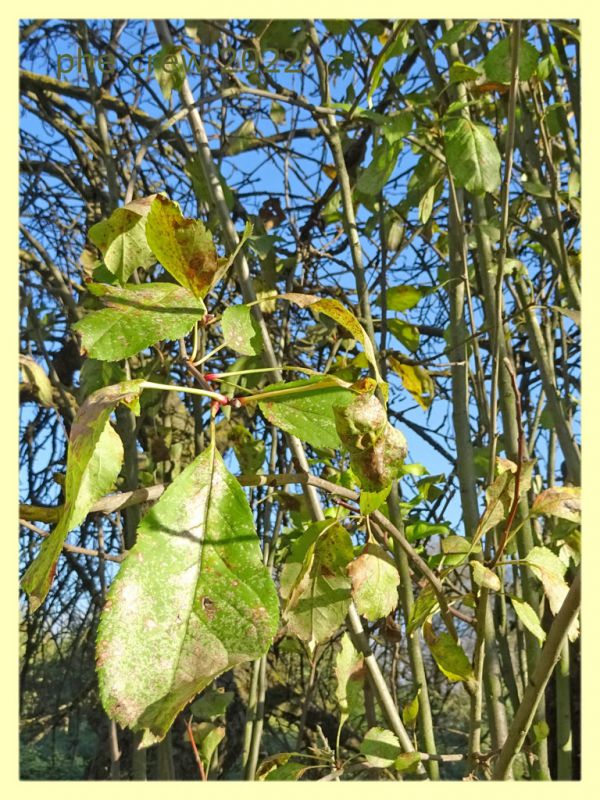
(350,674)
(241,330)
(307,414)
(485,577)
(375,582)
(135,317)
(550,570)
(377,449)
(122,239)
(191,600)
(183,246)
(497,63)
(213,703)
(94,458)
(380,747)
(559,501)
(335,310)
(529,618)
(37,379)
(472,156)
(416,380)
(448,654)
(314,582)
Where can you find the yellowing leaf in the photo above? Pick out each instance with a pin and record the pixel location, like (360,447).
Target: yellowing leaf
(416,380)
(559,501)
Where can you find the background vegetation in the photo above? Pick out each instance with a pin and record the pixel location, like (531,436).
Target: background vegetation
(426,175)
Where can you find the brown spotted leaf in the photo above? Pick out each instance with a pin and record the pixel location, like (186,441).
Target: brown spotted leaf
(191,601)
(183,246)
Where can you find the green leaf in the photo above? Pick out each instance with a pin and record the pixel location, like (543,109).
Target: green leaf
(497,63)
(375,582)
(135,317)
(193,168)
(559,501)
(241,330)
(472,156)
(314,582)
(207,736)
(371,501)
(241,138)
(94,458)
(448,655)
(37,378)
(292,771)
(416,380)
(537,189)
(406,333)
(191,600)
(395,127)
(426,204)
(529,618)
(410,712)
(122,239)
(457,32)
(463,72)
(420,529)
(380,747)
(213,703)
(426,604)
(541,730)
(407,761)
(307,415)
(183,246)
(485,577)
(277,113)
(169,70)
(385,155)
(350,674)
(402,298)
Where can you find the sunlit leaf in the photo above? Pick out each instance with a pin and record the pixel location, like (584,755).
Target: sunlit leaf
(241,330)
(135,317)
(559,501)
(380,747)
(35,376)
(191,600)
(416,380)
(122,239)
(529,618)
(497,63)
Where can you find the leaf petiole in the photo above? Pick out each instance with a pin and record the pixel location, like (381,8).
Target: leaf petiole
(220,398)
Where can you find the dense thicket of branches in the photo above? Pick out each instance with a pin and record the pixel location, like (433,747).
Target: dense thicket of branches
(335,140)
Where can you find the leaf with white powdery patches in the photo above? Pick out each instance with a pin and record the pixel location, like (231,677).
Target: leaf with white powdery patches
(241,331)
(94,458)
(308,415)
(135,317)
(192,600)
